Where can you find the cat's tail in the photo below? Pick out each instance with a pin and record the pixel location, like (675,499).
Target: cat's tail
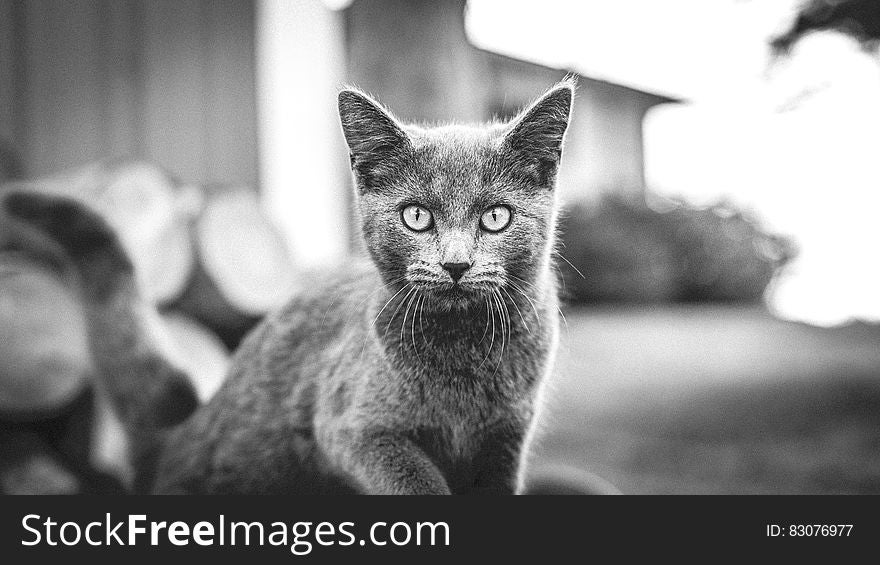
(146,391)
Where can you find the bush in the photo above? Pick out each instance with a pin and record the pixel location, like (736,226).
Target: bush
(628,252)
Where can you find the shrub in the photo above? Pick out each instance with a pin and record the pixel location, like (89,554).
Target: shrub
(627,251)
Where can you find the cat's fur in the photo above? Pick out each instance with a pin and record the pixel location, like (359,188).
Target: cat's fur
(387,378)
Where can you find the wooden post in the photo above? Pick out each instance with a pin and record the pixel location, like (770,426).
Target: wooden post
(414,55)
(303,164)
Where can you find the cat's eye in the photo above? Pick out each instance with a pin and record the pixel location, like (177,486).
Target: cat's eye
(417,218)
(495,218)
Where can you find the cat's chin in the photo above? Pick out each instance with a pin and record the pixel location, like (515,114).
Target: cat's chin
(447,298)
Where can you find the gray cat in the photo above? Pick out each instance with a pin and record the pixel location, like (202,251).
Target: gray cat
(416,373)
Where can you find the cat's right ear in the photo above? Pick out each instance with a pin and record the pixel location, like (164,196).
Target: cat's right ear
(376,141)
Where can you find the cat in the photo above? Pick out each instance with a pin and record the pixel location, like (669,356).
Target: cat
(418,371)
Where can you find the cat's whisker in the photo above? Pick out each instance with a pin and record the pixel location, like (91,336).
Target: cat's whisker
(522,281)
(528,287)
(570,264)
(492,340)
(515,287)
(396,310)
(515,305)
(372,293)
(496,296)
(406,313)
(521,289)
(360,303)
(562,316)
(419,304)
(527,297)
(498,301)
(509,320)
(492,337)
(381,287)
(525,286)
(506,314)
(387,303)
(487,323)
(422,322)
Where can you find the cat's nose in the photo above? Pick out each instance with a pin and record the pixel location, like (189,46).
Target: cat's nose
(456,270)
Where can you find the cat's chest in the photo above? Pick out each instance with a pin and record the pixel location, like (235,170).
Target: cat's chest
(491,367)
(452,404)
(455,382)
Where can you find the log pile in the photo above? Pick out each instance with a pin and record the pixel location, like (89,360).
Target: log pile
(242,266)
(206,257)
(147,210)
(44,357)
(196,350)
(210,251)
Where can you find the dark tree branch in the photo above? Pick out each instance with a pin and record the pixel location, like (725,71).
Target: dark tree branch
(857,18)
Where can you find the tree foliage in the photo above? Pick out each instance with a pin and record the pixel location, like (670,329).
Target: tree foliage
(621,250)
(857,18)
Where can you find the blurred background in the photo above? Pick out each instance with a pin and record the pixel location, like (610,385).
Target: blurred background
(719,187)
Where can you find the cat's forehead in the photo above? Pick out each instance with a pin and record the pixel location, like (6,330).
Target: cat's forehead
(456,135)
(455,160)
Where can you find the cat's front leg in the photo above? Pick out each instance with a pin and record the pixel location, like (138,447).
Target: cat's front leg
(497,461)
(386,462)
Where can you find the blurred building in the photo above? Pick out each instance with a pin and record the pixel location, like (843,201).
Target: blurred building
(170,81)
(416,56)
(242,91)
(604,145)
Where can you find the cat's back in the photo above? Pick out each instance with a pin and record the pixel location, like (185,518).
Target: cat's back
(326,302)
(327,306)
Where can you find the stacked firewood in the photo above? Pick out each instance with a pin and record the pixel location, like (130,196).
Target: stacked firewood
(207,257)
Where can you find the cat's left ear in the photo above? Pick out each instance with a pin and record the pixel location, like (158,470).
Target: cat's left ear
(533,142)
(376,141)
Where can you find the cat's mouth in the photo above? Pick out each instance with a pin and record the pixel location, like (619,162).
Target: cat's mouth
(471,288)
(457,294)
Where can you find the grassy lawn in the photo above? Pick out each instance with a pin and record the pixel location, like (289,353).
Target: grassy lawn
(716,400)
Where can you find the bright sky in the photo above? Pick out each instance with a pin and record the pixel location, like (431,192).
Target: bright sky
(796,142)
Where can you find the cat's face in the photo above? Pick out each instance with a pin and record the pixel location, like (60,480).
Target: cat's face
(457,212)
